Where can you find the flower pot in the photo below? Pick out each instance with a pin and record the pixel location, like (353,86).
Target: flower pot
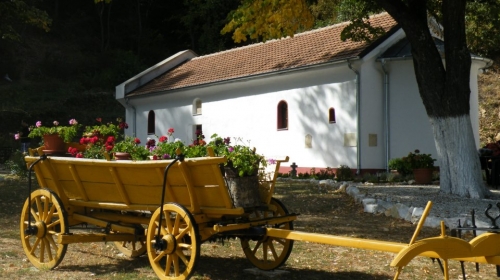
(122,156)
(244,190)
(423,175)
(53,144)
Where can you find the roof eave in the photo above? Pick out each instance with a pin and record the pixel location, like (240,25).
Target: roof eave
(250,77)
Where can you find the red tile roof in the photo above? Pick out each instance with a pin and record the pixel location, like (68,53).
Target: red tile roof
(309,48)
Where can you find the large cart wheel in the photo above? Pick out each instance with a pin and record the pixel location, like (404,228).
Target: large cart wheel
(268,253)
(48,220)
(174,253)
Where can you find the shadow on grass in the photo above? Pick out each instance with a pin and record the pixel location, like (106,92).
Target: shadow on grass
(213,268)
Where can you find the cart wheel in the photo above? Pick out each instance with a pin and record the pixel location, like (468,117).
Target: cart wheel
(173,254)
(48,220)
(131,249)
(268,253)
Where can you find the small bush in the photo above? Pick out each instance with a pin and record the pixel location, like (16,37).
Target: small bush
(400,165)
(17,165)
(344,173)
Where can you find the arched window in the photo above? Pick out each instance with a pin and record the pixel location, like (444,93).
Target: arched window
(197,106)
(151,122)
(331,115)
(282,115)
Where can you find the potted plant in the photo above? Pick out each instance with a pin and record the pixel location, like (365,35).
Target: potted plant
(241,159)
(422,166)
(99,139)
(55,136)
(129,148)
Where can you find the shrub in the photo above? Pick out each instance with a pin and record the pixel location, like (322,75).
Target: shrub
(344,173)
(400,165)
(17,165)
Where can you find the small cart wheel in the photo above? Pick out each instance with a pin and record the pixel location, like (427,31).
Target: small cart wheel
(174,253)
(268,253)
(48,220)
(131,249)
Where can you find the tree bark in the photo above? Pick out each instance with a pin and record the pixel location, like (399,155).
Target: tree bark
(445,90)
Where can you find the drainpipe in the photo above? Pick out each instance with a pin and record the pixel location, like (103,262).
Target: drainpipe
(358,122)
(133,117)
(386,115)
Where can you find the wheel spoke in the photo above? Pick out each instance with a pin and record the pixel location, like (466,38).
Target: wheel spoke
(257,245)
(47,247)
(50,214)
(38,203)
(177,224)
(181,255)
(35,215)
(45,209)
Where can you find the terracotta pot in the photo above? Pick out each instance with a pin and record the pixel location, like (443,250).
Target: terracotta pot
(122,156)
(423,175)
(53,144)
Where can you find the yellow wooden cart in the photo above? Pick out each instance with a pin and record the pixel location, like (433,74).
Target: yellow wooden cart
(168,208)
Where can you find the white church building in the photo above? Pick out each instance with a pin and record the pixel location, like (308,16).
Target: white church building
(321,101)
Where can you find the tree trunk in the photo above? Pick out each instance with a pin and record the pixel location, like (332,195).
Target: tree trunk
(445,91)
(460,170)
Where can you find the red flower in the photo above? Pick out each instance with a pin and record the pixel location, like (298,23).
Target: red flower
(109,147)
(110,140)
(84,141)
(94,139)
(170,131)
(137,141)
(163,138)
(155,157)
(79,155)
(98,119)
(123,125)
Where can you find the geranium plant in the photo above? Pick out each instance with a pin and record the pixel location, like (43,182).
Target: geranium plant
(104,130)
(132,146)
(67,133)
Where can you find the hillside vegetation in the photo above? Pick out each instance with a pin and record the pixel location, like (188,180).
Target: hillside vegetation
(489,103)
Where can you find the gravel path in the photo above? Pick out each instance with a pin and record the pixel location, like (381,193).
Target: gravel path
(444,205)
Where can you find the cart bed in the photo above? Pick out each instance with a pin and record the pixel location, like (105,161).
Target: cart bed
(196,183)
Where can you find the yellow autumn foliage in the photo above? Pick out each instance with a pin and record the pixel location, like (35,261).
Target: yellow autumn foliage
(269,19)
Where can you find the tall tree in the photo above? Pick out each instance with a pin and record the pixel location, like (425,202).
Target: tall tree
(444,87)
(267,19)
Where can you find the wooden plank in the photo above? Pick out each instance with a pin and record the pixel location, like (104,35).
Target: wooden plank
(119,185)
(78,182)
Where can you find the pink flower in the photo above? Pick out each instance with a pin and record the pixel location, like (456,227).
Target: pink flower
(170,131)
(73,122)
(38,123)
(271,161)
(56,123)
(16,136)
(230,149)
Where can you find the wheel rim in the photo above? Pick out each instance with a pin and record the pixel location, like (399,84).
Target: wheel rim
(268,253)
(49,220)
(179,235)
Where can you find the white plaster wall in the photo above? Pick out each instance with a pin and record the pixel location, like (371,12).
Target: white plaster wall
(248,110)
(409,125)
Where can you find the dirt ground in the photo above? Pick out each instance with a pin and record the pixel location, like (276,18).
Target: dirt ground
(321,211)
